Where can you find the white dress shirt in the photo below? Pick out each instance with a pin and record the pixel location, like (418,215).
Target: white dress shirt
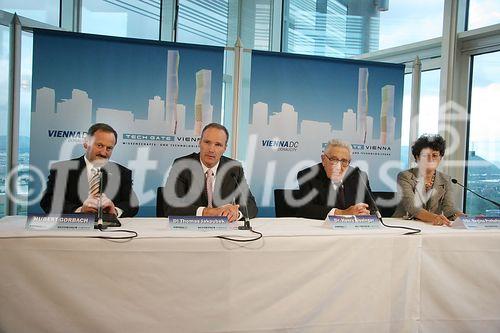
(199,210)
(89,166)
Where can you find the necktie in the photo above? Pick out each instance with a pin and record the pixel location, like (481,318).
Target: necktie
(94,183)
(340,196)
(210,187)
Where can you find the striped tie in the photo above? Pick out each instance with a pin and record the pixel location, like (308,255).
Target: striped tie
(94,183)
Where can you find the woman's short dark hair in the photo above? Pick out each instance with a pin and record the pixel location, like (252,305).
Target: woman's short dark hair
(102,127)
(432,141)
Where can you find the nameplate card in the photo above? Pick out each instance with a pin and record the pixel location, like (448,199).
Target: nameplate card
(70,222)
(477,222)
(200,223)
(354,222)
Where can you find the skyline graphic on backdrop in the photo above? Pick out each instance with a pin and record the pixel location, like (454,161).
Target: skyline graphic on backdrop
(125,75)
(322,89)
(356,127)
(166,117)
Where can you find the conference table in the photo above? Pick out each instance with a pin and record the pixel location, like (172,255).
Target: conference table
(301,276)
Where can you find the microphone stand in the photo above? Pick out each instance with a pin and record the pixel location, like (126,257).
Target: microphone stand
(454,181)
(246,225)
(100,224)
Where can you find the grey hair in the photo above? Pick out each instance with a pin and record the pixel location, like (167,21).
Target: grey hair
(338,143)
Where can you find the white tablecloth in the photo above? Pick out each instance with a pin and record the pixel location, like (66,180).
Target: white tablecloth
(300,277)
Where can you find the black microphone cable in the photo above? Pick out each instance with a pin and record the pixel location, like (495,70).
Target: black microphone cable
(134,235)
(132,232)
(242,240)
(246,225)
(377,212)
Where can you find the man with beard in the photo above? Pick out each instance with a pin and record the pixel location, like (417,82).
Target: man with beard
(74,186)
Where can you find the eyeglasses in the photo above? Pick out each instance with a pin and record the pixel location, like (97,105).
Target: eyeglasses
(434,156)
(336,161)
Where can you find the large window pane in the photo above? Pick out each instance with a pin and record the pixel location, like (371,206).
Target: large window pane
(428,120)
(4,76)
(220,22)
(483,13)
(255,25)
(410,21)
(315,27)
(46,11)
(203,22)
(134,18)
(345,28)
(483,172)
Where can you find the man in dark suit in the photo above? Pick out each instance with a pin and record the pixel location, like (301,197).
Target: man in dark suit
(207,183)
(332,187)
(74,186)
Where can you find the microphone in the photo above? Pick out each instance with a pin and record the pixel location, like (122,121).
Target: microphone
(377,212)
(246,225)
(372,202)
(100,224)
(454,181)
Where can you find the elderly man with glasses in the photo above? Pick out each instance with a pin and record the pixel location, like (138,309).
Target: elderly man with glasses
(332,187)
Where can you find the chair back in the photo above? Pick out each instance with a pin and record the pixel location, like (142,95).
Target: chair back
(281,206)
(386,202)
(160,202)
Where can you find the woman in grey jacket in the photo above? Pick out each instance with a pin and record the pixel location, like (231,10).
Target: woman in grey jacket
(425,193)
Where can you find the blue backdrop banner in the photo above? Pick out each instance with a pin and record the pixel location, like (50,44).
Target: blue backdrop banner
(299,103)
(157,96)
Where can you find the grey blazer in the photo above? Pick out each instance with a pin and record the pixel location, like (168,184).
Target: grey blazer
(413,198)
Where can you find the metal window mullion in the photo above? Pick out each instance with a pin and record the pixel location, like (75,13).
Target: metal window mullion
(463,90)
(452,97)
(77,15)
(237,83)
(175,23)
(448,51)
(239,22)
(415,104)
(13,112)
(71,15)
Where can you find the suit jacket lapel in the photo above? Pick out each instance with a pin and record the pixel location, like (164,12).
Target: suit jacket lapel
(350,187)
(439,192)
(80,179)
(198,179)
(435,194)
(419,189)
(225,184)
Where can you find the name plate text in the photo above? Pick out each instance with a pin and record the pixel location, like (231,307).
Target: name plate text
(60,222)
(477,222)
(199,223)
(354,222)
